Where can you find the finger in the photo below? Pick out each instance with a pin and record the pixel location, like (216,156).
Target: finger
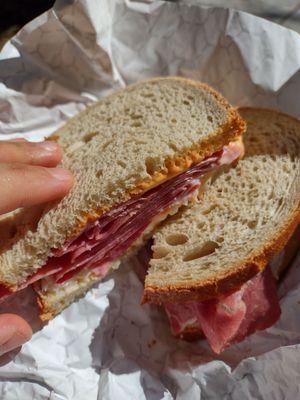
(6,358)
(47,154)
(14,331)
(24,185)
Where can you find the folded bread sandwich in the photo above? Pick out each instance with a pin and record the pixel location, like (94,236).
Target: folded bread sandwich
(137,156)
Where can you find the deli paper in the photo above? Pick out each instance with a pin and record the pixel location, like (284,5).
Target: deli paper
(107,345)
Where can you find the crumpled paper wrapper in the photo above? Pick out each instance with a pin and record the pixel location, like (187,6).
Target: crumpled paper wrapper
(108,346)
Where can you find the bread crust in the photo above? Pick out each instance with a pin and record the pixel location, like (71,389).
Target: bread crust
(239,274)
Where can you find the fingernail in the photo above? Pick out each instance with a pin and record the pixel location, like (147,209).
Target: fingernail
(48,146)
(60,174)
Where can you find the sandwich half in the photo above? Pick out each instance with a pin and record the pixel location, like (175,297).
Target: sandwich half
(137,156)
(210,263)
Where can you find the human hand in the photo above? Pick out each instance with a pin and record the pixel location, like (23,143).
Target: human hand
(27,177)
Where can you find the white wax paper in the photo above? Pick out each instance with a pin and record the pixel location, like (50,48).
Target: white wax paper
(108,346)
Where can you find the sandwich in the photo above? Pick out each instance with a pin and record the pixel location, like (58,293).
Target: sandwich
(214,265)
(137,156)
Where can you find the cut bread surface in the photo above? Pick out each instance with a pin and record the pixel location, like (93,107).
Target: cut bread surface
(243,219)
(123,145)
(54,299)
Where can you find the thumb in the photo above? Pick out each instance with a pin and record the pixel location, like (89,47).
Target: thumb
(27,185)
(14,331)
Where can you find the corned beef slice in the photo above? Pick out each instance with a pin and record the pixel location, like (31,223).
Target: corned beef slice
(230,318)
(181,316)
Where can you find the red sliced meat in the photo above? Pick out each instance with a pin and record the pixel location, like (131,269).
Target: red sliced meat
(181,317)
(263,309)
(230,318)
(220,319)
(48,269)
